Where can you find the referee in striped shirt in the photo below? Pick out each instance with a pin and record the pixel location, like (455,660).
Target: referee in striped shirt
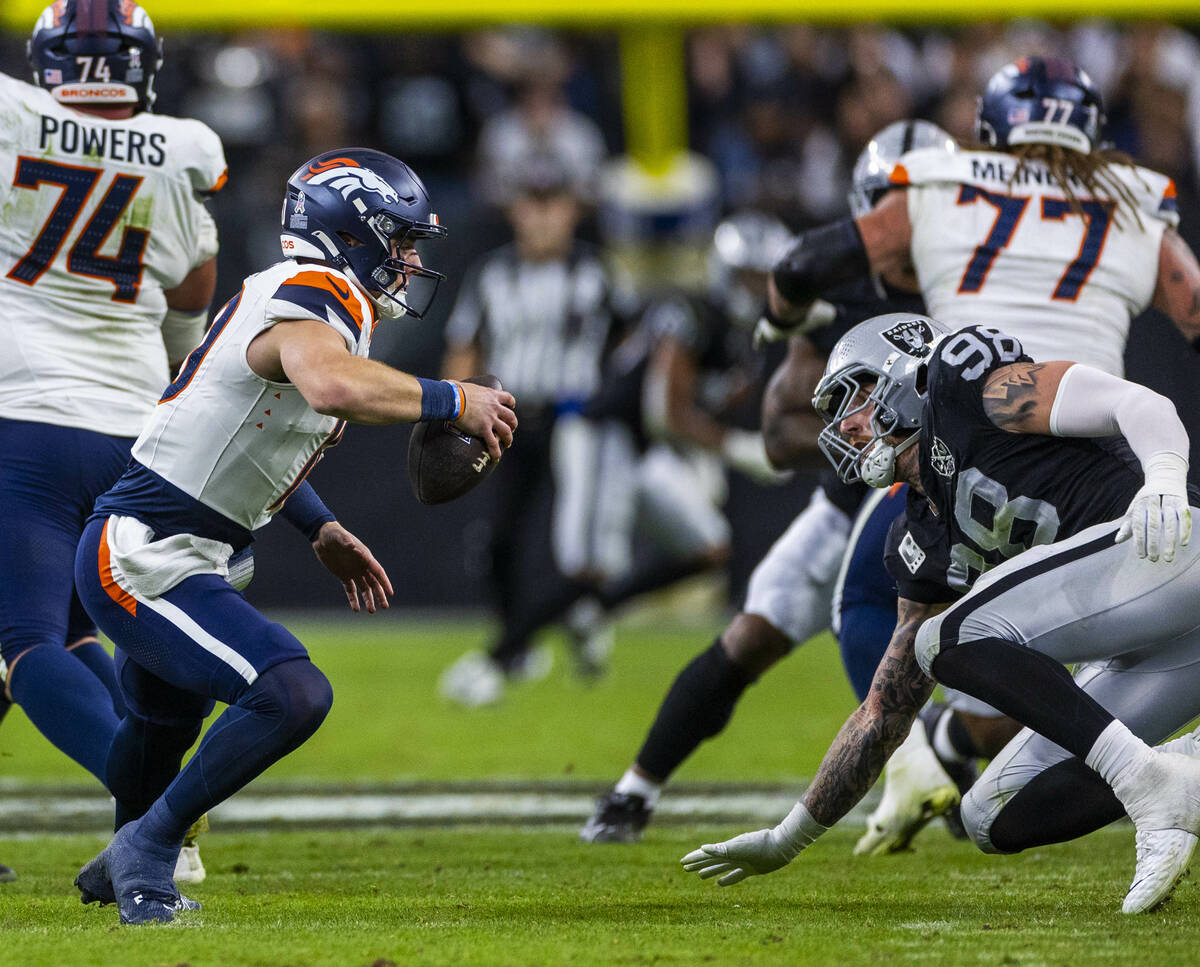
(538,313)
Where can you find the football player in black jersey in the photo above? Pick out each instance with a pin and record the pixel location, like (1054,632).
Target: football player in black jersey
(788,598)
(1026,482)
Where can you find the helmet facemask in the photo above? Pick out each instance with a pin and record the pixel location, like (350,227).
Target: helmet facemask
(396,286)
(847,392)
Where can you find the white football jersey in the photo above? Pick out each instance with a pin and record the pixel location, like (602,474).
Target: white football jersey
(97,218)
(1012,254)
(225,436)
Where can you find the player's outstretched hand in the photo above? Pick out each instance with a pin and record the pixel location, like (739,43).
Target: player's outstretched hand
(747,855)
(1159,524)
(351,562)
(488,414)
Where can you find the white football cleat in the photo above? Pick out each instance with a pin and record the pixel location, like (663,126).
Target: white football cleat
(473,681)
(189,868)
(916,790)
(1161,794)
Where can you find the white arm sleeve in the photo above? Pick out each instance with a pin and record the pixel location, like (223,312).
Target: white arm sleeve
(181,331)
(1092,403)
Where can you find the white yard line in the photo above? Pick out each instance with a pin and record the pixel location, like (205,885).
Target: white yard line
(26,810)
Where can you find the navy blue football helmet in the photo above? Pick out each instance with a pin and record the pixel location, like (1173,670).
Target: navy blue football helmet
(355,208)
(1040,100)
(101,52)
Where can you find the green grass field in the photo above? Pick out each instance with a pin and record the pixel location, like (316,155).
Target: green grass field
(375,896)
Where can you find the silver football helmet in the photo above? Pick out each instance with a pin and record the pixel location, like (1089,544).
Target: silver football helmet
(745,248)
(879,363)
(873,169)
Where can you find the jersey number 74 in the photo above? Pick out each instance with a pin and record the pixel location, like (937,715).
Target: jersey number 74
(124,270)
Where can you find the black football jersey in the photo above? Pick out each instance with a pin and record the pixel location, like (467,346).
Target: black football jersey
(854,302)
(992,494)
(723,352)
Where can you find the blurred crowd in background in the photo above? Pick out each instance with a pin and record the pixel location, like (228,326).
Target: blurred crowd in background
(779,112)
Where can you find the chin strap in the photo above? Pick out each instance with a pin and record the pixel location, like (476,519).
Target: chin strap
(878,467)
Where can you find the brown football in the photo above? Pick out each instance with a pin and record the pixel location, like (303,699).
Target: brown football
(443,462)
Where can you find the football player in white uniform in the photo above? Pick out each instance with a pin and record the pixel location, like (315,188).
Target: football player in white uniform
(107,267)
(1044,234)
(282,369)
(1073,463)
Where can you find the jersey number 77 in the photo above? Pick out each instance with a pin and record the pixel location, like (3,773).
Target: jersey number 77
(124,270)
(1096,217)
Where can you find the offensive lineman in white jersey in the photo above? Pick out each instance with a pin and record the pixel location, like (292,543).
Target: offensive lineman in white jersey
(107,267)
(282,369)
(1046,234)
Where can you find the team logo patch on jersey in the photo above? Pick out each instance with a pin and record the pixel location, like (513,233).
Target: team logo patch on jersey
(912,337)
(941,458)
(911,553)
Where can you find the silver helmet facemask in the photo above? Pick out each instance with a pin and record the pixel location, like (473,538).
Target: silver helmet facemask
(880,363)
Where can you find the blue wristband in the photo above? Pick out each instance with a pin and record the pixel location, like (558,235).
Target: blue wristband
(305,511)
(441,399)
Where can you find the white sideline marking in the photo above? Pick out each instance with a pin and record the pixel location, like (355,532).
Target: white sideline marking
(23,812)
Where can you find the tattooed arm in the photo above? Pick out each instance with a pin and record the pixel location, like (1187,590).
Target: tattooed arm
(879,725)
(1177,292)
(849,768)
(1020,397)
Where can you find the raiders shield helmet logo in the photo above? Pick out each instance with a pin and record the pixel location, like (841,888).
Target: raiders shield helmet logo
(912,337)
(941,458)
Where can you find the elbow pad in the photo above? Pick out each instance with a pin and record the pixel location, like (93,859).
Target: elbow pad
(820,259)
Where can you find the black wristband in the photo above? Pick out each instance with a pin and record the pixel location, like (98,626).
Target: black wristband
(820,259)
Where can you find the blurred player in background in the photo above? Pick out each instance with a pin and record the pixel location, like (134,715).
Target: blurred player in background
(282,369)
(788,600)
(538,313)
(1086,478)
(676,390)
(108,261)
(1042,233)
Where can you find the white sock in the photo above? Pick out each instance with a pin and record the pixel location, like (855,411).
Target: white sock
(1115,751)
(941,739)
(632,784)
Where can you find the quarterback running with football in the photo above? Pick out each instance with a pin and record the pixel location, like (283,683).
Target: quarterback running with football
(283,368)
(1022,477)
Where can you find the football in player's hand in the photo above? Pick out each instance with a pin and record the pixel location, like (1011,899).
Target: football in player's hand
(443,462)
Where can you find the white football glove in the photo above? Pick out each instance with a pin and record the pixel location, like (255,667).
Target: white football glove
(751,854)
(1159,519)
(820,313)
(745,451)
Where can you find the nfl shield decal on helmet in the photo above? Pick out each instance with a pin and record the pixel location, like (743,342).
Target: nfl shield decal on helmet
(911,336)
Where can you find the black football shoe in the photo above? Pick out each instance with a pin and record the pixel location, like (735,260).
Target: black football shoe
(619,818)
(7,874)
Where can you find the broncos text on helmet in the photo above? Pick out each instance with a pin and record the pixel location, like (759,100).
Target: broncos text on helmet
(101,52)
(878,363)
(358,209)
(1040,100)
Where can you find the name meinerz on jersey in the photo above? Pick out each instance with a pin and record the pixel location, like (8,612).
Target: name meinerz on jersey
(115,144)
(997,170)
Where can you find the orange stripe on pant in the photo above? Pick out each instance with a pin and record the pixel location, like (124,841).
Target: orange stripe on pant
(111,588)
